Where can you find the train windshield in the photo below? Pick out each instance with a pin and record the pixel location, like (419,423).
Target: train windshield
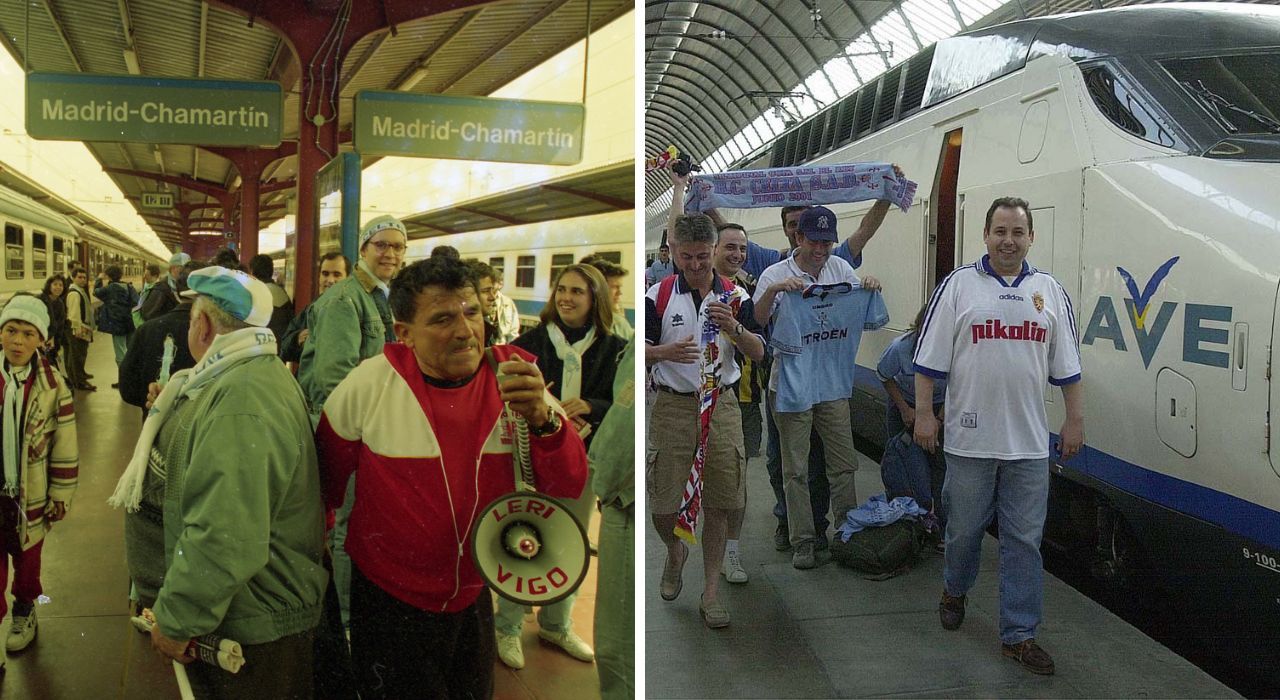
(1240,93)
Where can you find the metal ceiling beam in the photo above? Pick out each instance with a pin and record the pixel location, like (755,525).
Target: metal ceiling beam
(445,39)
(696,107)
(719,46)
(674,117)
(754,27)
(866,28)
(678,109)
(616,202)
(62,34)
(363,60)
(722,106)
(666,125)
(711,81)
(502,44)
(492,215)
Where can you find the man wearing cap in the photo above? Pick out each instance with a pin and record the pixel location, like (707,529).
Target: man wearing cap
(243,528)
(349,324)
(164,296)
(818,311)
(40,458)
(422,424)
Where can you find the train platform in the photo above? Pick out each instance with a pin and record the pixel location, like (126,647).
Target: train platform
(86,648)
(828,632)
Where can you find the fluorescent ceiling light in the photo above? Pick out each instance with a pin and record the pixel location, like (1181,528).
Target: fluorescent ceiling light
(131,62)
(413,79)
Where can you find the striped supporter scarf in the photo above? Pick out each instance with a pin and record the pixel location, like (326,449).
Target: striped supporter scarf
(708,392)
(775,187)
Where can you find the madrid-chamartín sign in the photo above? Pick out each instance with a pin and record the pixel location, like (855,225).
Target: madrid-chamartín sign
(468,128)
(82,107)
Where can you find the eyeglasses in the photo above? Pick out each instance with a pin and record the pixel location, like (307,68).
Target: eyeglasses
(384,246)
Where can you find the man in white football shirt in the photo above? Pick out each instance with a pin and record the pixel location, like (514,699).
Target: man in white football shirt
(997,330)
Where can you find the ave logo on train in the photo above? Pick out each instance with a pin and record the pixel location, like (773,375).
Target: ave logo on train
(1148,330)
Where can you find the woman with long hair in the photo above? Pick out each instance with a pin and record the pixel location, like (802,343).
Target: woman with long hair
(578,355)
(54,298)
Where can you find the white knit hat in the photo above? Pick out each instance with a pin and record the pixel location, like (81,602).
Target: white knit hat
(29,309)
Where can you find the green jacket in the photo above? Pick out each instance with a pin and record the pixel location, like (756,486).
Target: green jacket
(612,454)
(243,519)
(349,324)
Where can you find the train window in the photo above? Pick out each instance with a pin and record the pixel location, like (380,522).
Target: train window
(499,265)
(559,261)
(1239,92)
(524,270)
(613,256)
(1123,107)
(59,255)
(39,254)
(15,258)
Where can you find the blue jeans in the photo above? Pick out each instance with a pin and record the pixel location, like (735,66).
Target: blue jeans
(921,472)
(1018,492)
(819,489)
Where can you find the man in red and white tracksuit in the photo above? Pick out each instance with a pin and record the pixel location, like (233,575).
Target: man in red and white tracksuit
(422,424)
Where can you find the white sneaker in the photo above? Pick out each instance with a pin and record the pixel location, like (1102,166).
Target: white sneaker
(21,632)
(510,650)
(732,569)
(572,644)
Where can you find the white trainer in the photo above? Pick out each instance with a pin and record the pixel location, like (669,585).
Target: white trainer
(572,644)
(21,632)
(732,569)
(511,650)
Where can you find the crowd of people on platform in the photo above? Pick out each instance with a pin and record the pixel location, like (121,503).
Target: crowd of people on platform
(785,327)
(242,515)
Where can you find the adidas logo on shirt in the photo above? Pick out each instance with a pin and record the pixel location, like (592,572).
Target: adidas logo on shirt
(995,330)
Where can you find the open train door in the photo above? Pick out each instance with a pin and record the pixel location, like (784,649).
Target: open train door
(942,209)
(1273,404)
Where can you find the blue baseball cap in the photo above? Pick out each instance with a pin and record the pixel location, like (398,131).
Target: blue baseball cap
(240,295)
(818,224)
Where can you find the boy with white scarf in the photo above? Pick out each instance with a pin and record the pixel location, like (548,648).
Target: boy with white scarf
(40,457)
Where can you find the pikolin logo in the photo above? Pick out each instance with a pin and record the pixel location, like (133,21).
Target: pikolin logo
(995,330)
(1148,332)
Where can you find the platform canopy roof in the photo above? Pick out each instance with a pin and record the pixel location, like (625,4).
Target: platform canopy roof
(471,50)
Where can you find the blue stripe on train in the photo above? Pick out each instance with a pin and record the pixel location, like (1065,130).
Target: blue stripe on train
(1232,513)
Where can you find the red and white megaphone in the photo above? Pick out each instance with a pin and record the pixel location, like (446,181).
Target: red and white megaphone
(527,546)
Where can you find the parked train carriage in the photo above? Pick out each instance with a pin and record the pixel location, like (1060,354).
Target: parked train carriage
(96,252)
(530,256)
(1150,166)
(37,243)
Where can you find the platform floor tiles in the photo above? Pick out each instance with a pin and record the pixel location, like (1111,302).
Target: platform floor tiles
(830,633)
(86,648)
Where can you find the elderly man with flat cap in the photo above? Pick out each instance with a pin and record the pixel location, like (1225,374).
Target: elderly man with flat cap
(349,324)
(227,456)
(163,296)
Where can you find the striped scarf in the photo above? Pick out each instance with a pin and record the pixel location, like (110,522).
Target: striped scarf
(708,393)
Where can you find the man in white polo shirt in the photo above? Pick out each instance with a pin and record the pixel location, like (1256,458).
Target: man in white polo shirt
(997,330)
(675,310)
(814,338)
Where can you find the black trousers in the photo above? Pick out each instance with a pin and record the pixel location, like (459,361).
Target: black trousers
(279,670)
(400,651)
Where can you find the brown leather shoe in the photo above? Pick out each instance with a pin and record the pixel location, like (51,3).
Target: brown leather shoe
(1030,655)
(951,610)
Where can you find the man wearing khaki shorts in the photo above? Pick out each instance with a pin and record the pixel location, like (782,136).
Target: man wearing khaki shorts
(674,315)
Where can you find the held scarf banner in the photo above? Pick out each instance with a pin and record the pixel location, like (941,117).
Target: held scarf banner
(807,185)
(708,392)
